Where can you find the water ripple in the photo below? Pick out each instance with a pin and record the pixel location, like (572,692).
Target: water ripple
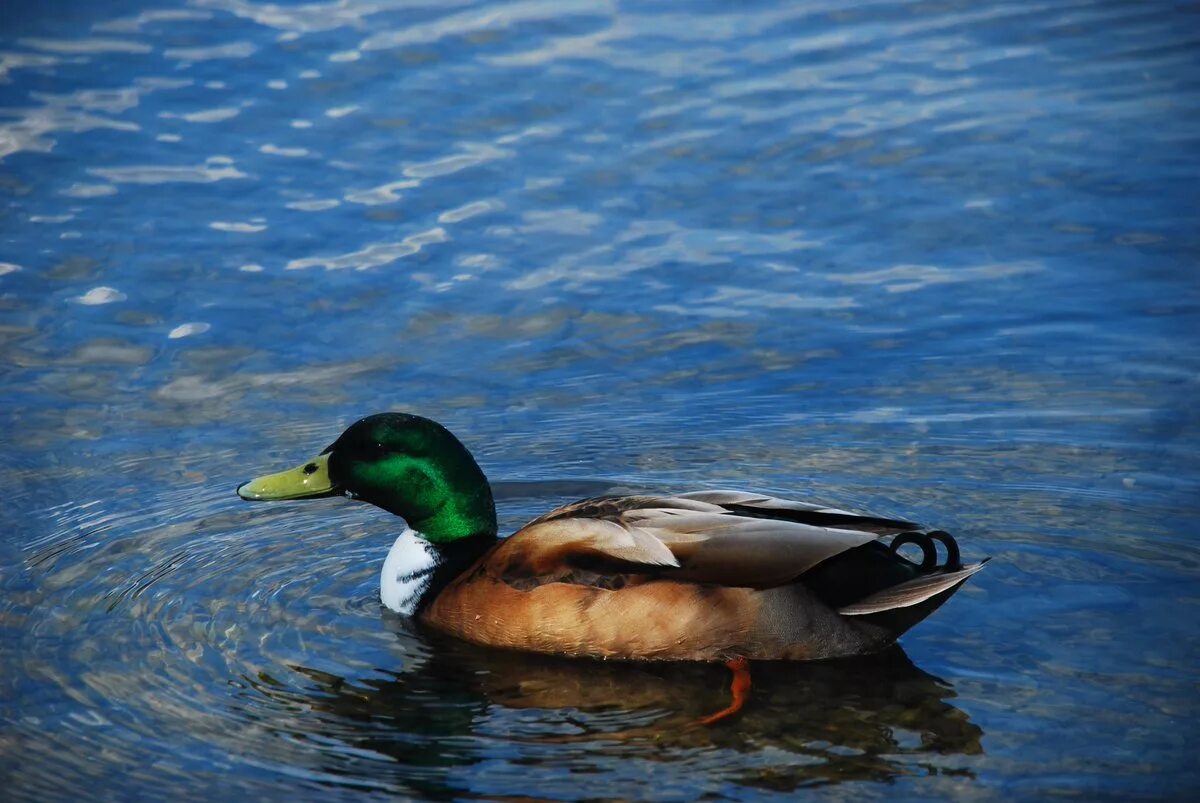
(374,255)
(227,50)
(383,194)
(476,20)
(907,278)
(81,46)
(136,23)
(475,154)
(214,169)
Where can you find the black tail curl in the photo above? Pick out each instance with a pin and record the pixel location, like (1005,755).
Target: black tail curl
(924,540)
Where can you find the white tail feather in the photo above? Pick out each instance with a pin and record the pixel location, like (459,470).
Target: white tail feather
(910,592)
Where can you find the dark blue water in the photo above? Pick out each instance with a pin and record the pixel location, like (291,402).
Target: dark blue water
(931,260)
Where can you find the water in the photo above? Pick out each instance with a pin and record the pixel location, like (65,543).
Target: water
(931,260)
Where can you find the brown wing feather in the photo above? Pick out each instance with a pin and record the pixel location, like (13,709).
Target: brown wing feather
(690,539)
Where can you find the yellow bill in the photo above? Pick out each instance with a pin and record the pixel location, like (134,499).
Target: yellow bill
(303,481)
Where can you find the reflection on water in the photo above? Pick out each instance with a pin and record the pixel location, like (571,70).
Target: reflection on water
(927,260)
(867,719)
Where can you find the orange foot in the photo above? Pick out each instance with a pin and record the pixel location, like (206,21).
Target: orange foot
(740,688)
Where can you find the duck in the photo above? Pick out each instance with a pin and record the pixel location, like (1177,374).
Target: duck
(710,575)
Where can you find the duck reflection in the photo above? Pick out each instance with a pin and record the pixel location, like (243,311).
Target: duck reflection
(870,718)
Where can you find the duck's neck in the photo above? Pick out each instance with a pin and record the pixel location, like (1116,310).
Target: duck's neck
(416,569)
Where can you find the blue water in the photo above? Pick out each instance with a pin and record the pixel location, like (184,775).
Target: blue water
(930,260)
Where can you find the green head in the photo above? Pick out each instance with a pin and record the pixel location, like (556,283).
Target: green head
(405,464)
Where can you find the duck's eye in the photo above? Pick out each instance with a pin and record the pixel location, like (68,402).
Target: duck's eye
(311,468)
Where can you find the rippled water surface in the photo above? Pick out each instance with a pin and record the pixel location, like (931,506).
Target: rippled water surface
(933,259)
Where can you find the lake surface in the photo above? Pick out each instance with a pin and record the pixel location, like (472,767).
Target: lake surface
(935,260)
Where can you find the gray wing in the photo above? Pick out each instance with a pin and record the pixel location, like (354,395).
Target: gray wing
(720,537)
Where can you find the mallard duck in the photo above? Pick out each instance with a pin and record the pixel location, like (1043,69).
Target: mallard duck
(702,576)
